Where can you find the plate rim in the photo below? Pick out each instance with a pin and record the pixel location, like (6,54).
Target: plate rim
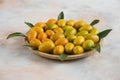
(69,57)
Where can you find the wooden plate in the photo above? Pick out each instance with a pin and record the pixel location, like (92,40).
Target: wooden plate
(69,57)
(57,57)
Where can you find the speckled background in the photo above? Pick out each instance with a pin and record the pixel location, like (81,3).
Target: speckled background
(18,63)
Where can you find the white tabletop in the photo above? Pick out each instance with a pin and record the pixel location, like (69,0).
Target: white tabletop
(18,63)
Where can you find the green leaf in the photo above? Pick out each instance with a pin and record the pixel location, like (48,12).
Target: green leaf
(61,16)
(63,57)
(16,34)
(29,24)
(98,47)
(28,45)
(104,33)
(94,22)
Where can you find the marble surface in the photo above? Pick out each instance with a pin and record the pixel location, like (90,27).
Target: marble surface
(18,63)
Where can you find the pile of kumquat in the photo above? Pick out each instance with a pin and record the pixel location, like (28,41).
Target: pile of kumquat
(60,36)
